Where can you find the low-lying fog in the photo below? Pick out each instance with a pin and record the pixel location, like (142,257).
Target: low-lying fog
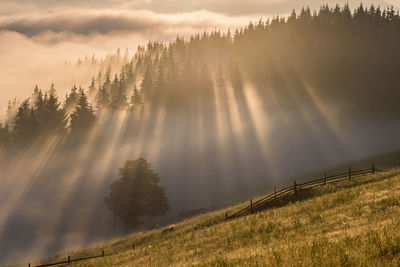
(53,201)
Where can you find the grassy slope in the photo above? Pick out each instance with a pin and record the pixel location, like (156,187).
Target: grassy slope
(353,223)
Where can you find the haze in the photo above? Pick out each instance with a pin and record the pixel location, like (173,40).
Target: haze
(206,151)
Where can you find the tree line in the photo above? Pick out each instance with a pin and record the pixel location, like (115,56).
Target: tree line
(350,58)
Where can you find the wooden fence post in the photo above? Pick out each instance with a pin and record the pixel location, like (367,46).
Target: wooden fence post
(325,179)
(226,216)
(295,187)
(102,254)
(29,265)
(373,168)
(69,259)
(251,204)
(349,173)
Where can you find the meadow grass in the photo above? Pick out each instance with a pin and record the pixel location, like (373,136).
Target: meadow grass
(350,223)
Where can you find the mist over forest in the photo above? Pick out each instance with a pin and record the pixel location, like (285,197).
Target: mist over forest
(218,115)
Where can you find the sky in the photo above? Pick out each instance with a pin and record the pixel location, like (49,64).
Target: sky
(37,36)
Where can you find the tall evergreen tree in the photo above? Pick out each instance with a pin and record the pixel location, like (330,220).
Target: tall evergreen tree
(147,85)
(83,118)
(70,99)
(119,99)
(102,98)
(55,120)
(136,98)
(92,88)
(21,133)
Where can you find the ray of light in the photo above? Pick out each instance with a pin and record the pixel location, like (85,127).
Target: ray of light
(67,181)
(20,176)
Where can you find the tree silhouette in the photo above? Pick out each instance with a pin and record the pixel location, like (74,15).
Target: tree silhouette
(92,88)
(136,99)
(119,99)
(54,117)
(83,118)
(136,193)
(70,99)
(102,98)
(21,132)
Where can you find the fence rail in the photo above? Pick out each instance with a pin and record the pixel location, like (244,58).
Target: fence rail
(261,203)
(70,260)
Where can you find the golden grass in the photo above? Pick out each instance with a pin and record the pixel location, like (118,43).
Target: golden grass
(351,223)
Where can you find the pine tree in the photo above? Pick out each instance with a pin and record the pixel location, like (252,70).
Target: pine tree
(92,88)
(107,83)
(147,86)
(83,118)
(12,109)
(54,116)
(102,98)
(70,99)
(136,99)
(119,99)
(22,124)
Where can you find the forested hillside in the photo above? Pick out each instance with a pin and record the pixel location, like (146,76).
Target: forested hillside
(347,61)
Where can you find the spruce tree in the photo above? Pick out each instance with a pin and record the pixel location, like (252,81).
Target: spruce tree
(70,99)
(136,99)
(147,86)
(102,98)
(119,99)
(92,88)
(22,124)
(83,118)
(54,116)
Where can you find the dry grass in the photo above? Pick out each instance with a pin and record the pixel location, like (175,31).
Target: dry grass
(352,223)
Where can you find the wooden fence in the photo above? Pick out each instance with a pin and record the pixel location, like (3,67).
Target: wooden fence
(262,202)
(70,260)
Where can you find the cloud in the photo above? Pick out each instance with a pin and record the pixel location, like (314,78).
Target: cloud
(229,7)
(91,22)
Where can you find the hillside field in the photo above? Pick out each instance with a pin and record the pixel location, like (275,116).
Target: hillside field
(350,223)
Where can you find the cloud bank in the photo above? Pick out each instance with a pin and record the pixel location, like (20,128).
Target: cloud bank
(229,7)
(93,22)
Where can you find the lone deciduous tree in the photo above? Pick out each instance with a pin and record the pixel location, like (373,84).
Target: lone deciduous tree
(136,193)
